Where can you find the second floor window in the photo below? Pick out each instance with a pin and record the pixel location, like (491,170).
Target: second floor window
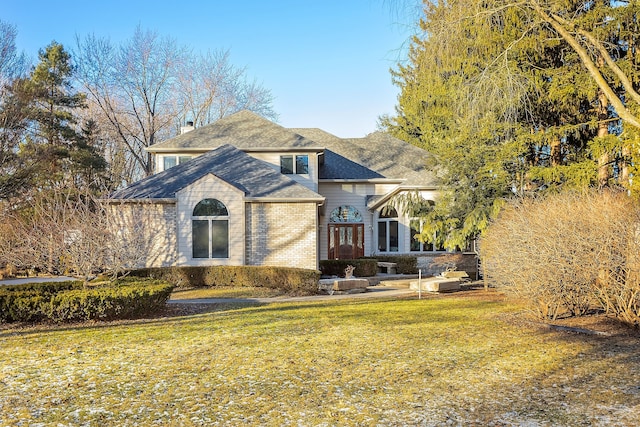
(171,161)
(298,164)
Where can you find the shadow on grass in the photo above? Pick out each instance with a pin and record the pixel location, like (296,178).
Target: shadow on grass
(595,382)
(174,313)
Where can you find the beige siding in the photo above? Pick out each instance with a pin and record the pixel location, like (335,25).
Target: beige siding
(309,180)
(338,194)
(282,234)
(210,187)
(147,233)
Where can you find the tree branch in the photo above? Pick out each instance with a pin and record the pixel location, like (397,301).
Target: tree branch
(592,68)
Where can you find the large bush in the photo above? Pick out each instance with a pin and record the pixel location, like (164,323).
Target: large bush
(363,267)
(71,301)
(405,264)
(568,253)
(293,281)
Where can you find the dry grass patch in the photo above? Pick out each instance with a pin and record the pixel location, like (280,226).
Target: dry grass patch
(439,361)
(226,292)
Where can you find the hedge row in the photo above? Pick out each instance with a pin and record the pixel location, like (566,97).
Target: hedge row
(406,264)
(335,267)
(293,281)
(70,301)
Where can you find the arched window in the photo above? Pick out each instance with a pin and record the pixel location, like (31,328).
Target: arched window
(388,230)
(345,213)
(210,229)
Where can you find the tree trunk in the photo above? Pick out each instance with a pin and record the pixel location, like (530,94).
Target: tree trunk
(556,150)
(604,171)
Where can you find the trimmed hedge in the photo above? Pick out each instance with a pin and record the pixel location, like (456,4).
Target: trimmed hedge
(293,281)
(365,267)
(406,264)
(70,301)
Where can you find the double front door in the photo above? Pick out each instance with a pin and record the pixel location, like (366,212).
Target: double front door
(346,241)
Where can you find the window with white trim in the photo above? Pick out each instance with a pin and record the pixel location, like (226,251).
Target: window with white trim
(416,225)
(171,161)
(210,229)
(388,240)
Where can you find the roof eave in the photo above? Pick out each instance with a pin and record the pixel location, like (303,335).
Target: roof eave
(149,200)
(370,180)
(318,200)
(245,149)
(397,190)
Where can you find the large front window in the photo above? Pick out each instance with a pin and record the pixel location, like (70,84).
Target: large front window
(210,229)
(388,230)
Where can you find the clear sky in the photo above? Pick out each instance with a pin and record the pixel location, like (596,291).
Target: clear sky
(326,61)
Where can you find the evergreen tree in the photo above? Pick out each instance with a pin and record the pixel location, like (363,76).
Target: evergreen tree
(507,107)
(50,151)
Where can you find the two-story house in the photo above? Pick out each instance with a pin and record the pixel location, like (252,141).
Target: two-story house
(246,191)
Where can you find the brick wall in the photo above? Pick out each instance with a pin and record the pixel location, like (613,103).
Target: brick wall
(147,232)
(281,234)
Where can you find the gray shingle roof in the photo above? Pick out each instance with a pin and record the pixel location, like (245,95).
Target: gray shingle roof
(254,177)
(375,156)
(380,153)
(244,130)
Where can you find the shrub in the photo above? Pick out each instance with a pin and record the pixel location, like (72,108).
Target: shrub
(406,264)
(293,281)
(365,267)
(70,301)
(567,253)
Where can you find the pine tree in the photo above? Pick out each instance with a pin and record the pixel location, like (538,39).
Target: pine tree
(54,152)
(506,106)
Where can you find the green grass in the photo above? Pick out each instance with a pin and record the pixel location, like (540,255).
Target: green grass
(443,361)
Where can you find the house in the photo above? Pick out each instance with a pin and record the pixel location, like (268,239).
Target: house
(247,191)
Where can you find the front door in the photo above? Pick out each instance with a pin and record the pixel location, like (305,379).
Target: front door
(346,241)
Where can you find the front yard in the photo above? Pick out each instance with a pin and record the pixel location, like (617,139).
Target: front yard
(454,360)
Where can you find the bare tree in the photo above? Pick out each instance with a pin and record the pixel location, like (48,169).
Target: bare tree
(71,233)
(149,86)
(12,63)
(211,87)
(134,85)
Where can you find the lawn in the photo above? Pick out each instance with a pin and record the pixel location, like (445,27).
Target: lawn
(456,360)
(226,292)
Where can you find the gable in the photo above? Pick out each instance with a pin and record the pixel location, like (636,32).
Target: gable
(206,184)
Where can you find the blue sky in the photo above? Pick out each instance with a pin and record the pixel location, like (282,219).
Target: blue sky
(326,62)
